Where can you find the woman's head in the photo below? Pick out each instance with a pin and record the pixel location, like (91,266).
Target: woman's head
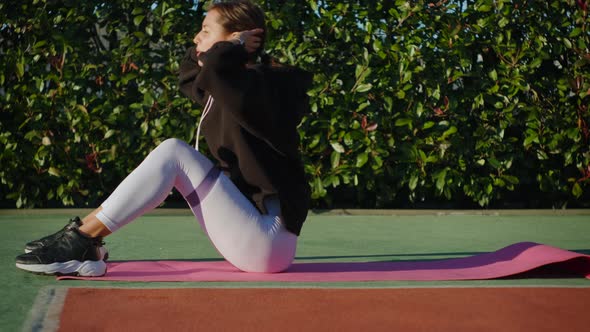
(225,18)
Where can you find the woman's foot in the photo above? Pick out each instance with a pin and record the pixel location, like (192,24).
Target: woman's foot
(70,252)
(43,242)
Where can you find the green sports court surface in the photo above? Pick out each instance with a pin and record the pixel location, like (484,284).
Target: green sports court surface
(327,237)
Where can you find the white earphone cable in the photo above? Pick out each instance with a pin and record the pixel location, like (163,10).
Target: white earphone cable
(205,111)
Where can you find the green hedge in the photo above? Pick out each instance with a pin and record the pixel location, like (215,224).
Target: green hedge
(414,103)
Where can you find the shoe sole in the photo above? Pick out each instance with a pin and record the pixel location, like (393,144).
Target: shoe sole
(83,269)
(104,254)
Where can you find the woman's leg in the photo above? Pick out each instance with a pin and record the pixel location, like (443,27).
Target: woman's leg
(75,249)
(93,227)
(172,164)
(247,239)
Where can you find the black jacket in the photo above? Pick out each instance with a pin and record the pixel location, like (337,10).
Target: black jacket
(251,128)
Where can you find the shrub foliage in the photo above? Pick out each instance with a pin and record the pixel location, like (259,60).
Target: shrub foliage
(414,103)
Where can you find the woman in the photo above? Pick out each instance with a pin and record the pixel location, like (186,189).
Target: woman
(253,201)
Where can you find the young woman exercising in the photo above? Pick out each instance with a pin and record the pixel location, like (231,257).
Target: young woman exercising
(253,198)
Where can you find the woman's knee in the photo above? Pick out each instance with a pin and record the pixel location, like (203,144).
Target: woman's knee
(164,153)
(171,144)
(169,147)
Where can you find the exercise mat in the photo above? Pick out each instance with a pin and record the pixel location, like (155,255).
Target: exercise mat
(512,260)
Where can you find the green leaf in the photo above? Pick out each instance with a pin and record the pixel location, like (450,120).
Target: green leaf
(54,171)
(335,159)
(413,182)
(144,127)
(168,11)
(530,138)
(542,155)
(109,133)
(403,122)
(511,179)
(40,44)
(314,142)
(428,124)
(60,190)
(31,135)
(494,162)
(484,8)
(314,5)
(362,159)
(337,147)
(449,132)
(364,87)
(503,22)
(361,72)
(577,190)
(493,75)
(138,19)
(318,188)
(441,179)
(20,69)
(366,56)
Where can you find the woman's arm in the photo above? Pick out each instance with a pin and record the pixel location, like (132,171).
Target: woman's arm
(236,89)
(189,70)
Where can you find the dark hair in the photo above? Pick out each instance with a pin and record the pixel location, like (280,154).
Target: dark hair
(241,15)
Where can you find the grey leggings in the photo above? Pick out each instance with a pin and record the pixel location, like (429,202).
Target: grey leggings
(249,240)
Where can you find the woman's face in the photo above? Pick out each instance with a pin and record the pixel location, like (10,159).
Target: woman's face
(211,32)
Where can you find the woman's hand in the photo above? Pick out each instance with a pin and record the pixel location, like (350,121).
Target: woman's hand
(251,39)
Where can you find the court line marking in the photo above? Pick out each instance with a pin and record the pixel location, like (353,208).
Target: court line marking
(46,310)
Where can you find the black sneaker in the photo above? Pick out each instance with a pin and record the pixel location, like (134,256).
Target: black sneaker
(71,253)
(43,242)
(37,244)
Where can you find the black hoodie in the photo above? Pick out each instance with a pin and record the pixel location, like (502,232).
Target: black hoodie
(251,128)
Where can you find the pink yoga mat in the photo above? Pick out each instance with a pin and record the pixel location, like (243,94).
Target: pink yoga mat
(509,261)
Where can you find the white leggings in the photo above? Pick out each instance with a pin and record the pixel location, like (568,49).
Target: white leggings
(251,241)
